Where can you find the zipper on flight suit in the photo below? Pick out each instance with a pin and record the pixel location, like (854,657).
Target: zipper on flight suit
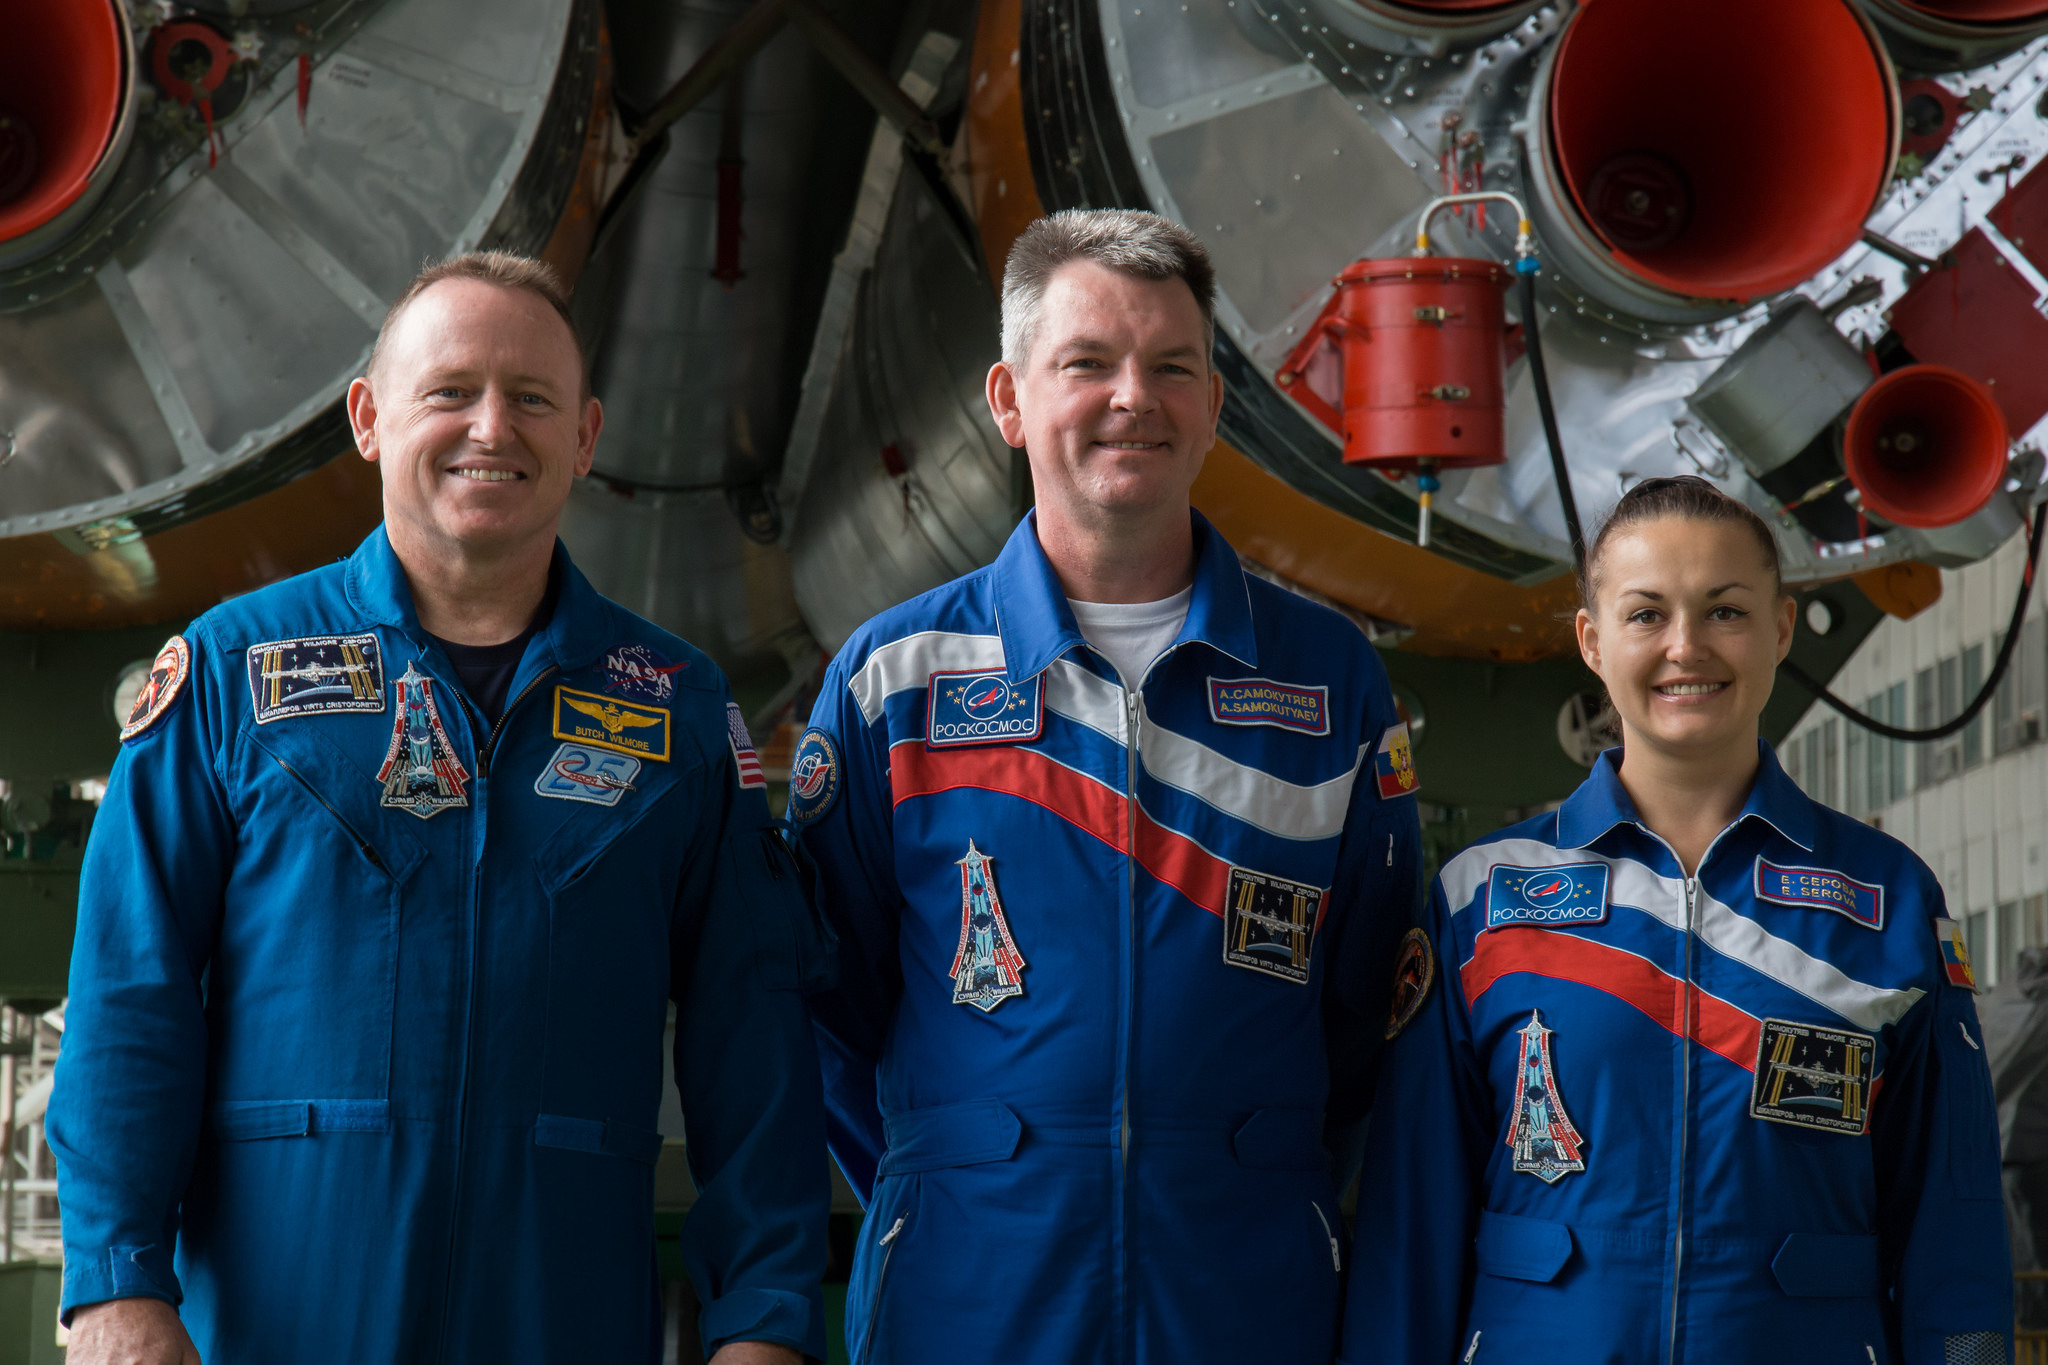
(361,843)
(1685,1057)
(482,757)
(1131,873)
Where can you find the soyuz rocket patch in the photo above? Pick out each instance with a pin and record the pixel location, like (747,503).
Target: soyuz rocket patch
(1261,701)
(315,675)
(1270,923)
(167,675)
(1414,971)
(1821,888)
(1813,1077)
(1541,1134)
(987,968)
(641,673)
(421,775)
(1394,763)
(814,777)
(982,707)
(578,772)
(1955,954)
(1574,893)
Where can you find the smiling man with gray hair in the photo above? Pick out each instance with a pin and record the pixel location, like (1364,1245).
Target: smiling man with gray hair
(1118,840)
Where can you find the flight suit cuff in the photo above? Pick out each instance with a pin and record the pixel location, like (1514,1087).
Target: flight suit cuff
(117,1273)
(793,1320)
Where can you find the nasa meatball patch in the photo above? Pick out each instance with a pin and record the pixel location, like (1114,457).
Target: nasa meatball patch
(167,675)
(982,707)
(1574,893)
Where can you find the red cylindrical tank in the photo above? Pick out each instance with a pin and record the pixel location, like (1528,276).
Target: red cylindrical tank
(62,85)
(1722,149)
(1925,446)
(1424,341)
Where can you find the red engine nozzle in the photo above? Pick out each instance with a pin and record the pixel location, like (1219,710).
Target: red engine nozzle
(1926,446)
(62,84)
(1722,149)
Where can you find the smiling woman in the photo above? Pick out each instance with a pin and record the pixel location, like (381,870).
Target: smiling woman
(1724,1034)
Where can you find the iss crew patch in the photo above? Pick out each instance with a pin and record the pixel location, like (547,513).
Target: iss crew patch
(315,675)
(1573,893)
(1821,888)
(1270,923)
(1261,701)
(814,777)
(578,772)
(982,707)
(608,723)
(166,680)
(1540,1133)
(1414,972)
(987,968)
(1813,1077)
(1394,763)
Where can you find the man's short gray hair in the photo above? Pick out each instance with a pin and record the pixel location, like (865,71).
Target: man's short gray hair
(1137,243)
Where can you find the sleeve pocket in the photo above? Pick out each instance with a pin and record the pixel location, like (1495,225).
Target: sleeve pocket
(1971,1111)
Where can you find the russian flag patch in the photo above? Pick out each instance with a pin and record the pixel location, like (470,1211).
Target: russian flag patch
(1955,954)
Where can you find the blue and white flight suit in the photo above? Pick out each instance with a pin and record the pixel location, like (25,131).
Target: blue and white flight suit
(363,1054)
(1639,1116)
(1102,953)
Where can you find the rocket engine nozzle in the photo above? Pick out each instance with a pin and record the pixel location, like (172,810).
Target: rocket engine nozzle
(63,80)
(1926,446)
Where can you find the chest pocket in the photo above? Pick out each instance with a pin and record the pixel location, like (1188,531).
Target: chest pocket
(300,769)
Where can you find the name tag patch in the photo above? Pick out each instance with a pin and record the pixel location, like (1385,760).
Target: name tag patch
(315,675)
(1575,893)
(578,772)
(608,723)
(1813,1077)
(1269,924)
(982,707)
(1394,763)
(1261,701)
(1821,888)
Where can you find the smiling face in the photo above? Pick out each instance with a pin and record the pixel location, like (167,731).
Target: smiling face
(1687,628)
(476,415)
(1116,401)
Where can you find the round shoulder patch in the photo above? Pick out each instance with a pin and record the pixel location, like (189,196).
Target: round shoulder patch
(814,776)
(1414,970)
(167,674)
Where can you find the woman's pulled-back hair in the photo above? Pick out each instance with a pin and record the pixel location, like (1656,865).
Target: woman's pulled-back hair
(1686,496)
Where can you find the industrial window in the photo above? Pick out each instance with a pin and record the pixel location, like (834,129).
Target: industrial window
(1973,680)
(2008,939)
(1976,925)
(1830,769)
(2005,702)
(1895,715)
(1853,749)
(1925,705)
(2034,911)
(1790,758)
(1812,783)
(1878,793)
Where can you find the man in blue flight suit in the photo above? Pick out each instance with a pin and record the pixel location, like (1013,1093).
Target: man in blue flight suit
(400,867)
(1118,839)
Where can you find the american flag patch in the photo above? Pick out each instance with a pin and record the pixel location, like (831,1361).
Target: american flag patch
(743,748)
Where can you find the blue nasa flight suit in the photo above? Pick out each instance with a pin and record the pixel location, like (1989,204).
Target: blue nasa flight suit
(1093,995)
(363,1054)
(1641,1117)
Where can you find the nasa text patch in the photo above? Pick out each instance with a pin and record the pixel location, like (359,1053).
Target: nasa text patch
(1822,889)
(982,707)
(1261,701)
(1572,893)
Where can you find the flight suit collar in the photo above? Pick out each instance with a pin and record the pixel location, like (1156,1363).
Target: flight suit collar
(1601,803)
(1037,626)
(577,633)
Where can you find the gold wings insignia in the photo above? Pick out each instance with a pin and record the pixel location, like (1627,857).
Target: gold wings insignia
(611,717)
